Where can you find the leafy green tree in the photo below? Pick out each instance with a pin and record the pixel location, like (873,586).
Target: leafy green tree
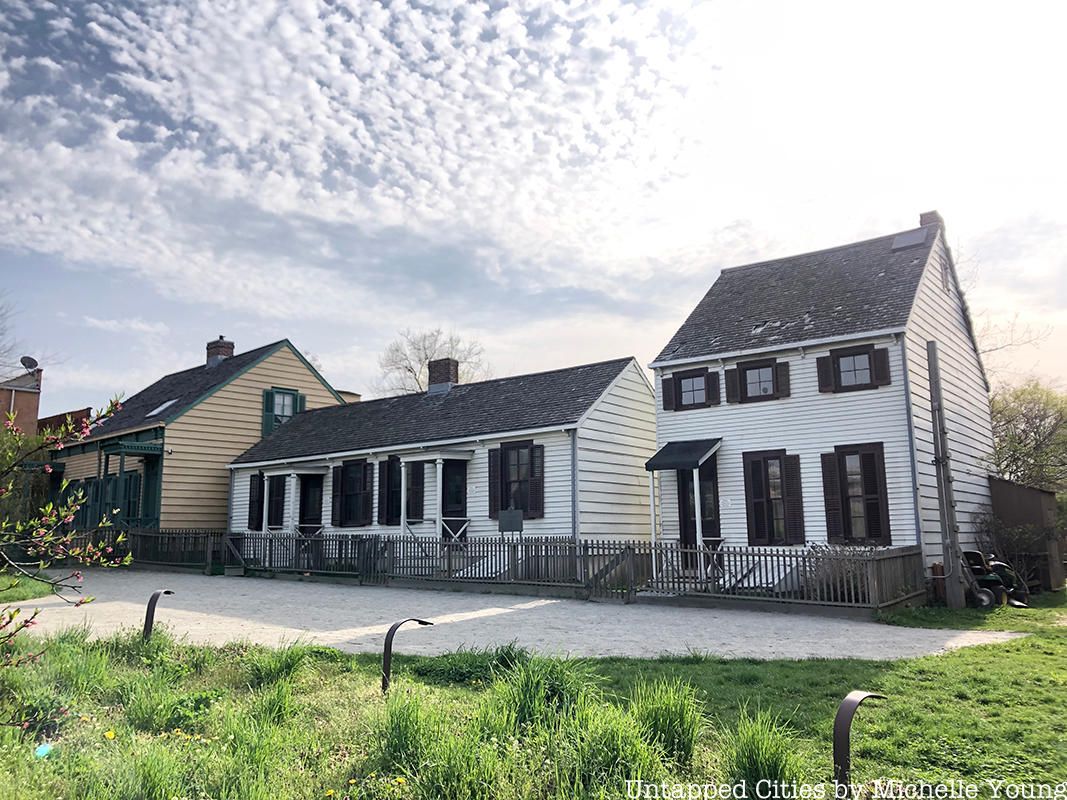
(1030,435)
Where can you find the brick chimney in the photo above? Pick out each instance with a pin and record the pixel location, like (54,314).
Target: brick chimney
(218,351)
(931,218)
(443,375)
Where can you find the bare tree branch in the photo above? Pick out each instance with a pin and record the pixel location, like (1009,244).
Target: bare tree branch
(404,362)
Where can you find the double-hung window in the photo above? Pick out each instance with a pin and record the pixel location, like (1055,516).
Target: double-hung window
(275,501)
(854,488)
(517,479)
(355,495)
(758,382)
(280,406)
(693,388)
(773,497)
(850,369)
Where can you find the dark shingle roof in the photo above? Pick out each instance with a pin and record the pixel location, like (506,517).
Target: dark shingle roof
(185,388)
(541,400)
(847,290)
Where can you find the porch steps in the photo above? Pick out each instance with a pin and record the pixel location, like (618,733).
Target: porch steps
(238,570)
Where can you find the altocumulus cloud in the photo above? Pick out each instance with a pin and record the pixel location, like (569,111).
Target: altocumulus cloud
(360,156)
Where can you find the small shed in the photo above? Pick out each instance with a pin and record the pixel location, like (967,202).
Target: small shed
(1017,506)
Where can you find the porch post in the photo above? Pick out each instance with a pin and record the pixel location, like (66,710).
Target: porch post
(652,517)
(403,497)
(698,514)
(120,503)
(696,507)
(291,499)
(439,482)
(266,503)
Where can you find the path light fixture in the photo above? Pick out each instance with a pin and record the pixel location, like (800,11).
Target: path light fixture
(843,734)
(387,654)
(150,613)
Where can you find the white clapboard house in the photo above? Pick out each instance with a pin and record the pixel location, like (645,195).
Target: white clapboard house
(794,404)
(566,447)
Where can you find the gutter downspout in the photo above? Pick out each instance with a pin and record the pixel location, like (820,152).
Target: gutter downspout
(916,497)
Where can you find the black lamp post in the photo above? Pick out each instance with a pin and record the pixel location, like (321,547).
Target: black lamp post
(843,736)
(150,613)
(387,654)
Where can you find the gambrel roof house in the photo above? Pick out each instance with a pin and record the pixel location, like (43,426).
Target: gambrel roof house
(797,397)
(565,447)
(162,459)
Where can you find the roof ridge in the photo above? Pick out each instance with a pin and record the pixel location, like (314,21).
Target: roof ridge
(202,366)
(826,249)
(483,382)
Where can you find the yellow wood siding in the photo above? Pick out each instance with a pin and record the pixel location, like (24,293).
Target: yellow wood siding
(203,441)
(81,466)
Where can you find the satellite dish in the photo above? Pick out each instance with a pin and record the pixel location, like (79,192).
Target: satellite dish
(29,362)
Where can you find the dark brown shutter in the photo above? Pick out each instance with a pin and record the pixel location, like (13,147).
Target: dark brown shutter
(880,366)
(416,488)
(872,466)
(255,502)
(794,500)
(733,386)
(536,505)
(365,478)
(669,400)
(713,388)
(831,492)
(336,493)
(383,492)
(781,379)
(825,367)
(494,483)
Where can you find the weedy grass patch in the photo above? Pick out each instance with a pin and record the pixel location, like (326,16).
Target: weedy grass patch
(163,719)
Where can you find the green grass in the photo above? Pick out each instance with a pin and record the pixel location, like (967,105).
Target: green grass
(170,720)
(15,590)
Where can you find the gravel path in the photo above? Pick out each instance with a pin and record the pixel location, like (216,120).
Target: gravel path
(353,618)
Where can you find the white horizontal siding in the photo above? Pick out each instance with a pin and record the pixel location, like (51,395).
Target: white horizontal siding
(807,423)
(556,521)
(938,315)
(615,440)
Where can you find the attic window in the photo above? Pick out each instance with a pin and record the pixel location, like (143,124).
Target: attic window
(161,408)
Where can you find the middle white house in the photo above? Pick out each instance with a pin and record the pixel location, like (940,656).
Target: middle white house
(566,447)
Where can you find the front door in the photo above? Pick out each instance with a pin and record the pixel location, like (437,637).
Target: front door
(454,500)
(709,506)
(309,518)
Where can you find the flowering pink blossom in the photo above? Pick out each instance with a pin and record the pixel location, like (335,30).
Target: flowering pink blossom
(48,469)
(69,518)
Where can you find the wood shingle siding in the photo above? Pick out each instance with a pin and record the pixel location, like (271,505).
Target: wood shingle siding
(205,439)
(939,315)
(615,439)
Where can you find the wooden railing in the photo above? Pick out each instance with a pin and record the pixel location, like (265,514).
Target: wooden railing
(870,578)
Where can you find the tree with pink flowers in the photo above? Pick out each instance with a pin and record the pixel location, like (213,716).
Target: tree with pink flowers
(32,543)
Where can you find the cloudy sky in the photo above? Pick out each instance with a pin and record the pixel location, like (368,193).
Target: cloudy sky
(560,180)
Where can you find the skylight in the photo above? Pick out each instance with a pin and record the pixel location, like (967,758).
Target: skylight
(163,407)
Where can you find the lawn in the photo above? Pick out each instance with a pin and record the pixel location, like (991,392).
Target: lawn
(169,720)
(14,590)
